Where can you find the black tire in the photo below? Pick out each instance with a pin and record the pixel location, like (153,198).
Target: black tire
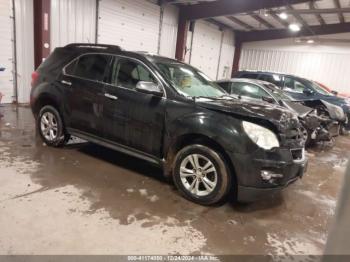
(223,177)
(60,137)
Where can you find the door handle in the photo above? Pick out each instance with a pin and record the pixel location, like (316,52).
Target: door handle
(67,83)
(111,96)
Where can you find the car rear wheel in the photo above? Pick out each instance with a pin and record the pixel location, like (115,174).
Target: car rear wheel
(51,128)
(201,175)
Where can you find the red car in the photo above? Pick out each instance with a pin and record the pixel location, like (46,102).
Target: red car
(332,91)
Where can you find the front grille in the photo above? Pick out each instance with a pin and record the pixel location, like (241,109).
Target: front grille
(297,154)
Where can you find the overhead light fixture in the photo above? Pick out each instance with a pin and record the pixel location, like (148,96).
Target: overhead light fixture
(298,40)
(283,15)
(264,12)
(294,27)
(310,41)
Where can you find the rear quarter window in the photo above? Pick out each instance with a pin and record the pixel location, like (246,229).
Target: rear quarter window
(91,67)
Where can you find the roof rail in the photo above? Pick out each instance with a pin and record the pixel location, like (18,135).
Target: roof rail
(94,46)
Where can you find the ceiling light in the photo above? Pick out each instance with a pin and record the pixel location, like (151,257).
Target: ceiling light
(283,15)
(294,27)
(310,41)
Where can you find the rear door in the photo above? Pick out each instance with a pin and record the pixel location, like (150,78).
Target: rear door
(84,89)
(135,119)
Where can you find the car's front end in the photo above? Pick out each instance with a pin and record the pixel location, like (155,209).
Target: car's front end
(271,167)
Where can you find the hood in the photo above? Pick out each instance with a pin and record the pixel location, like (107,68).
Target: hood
(335,112)
(280,117)
(299,109)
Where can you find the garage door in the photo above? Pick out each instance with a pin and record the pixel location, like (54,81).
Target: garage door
(133,25)
(6,51)
(206,48)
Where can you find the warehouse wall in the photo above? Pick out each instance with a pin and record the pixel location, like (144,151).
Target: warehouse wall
(6,51)
(327,63)
(24,48)
(72,21)
(211,50)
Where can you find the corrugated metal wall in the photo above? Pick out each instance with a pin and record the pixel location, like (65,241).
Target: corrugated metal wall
(24,48)
(326,65)
(72,21)
(6,51)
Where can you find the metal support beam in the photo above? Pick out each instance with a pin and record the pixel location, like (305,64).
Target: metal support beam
(239,22)
(229,7)
(312,11)
(340,15)
(182,30)
(278,19)
(318,16)
(286,33)
(237,56)
(41,30)
(262,21)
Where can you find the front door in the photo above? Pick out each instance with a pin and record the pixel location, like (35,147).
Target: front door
(134,119)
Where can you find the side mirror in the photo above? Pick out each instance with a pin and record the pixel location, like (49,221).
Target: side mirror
(2,69)
(308,92)
(149,88)
(268,99)
(334,92)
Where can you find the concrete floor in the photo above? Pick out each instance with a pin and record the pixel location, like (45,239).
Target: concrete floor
(85,199)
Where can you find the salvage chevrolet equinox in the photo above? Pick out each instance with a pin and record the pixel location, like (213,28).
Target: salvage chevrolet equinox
(168,113)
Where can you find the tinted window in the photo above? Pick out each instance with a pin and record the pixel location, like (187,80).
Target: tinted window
(293,85)
(226,86)
(90,67)
(249,90)
(250,76)
(274,79)
(127,73)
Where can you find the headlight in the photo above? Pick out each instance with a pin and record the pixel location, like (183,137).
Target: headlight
(261,136)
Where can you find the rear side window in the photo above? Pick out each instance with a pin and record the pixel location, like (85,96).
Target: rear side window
(250,76)
(90,67)
(274,79)
(226,86)
(249,90)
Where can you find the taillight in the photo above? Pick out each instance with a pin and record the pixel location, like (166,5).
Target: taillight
(35,77)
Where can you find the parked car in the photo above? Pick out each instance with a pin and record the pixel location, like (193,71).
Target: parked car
(316,127)
(305,90)
(336,93)
(170,114)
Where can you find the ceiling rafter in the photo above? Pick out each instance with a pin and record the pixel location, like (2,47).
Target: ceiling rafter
(240,22)
(277,18)
(261,20)
(210,9)
(340,15)
(318,16)
(300,19)
(262,35)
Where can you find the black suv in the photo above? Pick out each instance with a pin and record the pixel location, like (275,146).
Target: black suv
(170,114)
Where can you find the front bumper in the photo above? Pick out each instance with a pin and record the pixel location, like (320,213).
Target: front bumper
(285,165)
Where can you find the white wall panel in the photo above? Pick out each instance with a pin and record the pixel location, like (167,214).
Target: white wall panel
(169,31)
(6,51)
(206,48)
(227,53)
(133,25)
(72,21)
(328,64)
(24,48)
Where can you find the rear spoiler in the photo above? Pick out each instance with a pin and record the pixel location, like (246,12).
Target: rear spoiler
(94,46)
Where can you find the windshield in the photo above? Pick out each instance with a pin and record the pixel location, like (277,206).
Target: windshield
(319,89)
(190,82)
(277,93)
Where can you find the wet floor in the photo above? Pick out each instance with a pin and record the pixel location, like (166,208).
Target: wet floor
(86,199)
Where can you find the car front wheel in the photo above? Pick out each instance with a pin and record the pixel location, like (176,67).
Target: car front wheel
(201,174)
(51,128)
